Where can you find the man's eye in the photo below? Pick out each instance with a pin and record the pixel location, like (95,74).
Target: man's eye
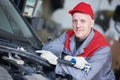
(74,21)
(82,21)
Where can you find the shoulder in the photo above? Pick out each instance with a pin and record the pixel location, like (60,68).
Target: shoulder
(100,39)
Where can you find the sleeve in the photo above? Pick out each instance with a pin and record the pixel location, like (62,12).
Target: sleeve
(56,46)
(101,58)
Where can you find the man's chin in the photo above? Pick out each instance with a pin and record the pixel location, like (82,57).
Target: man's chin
(79,36)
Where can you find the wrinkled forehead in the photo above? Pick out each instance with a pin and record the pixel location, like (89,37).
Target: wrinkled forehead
(80,15)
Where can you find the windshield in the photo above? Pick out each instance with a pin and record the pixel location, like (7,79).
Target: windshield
(12,25)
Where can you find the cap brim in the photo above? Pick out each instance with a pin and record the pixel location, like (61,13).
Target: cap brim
(74,10)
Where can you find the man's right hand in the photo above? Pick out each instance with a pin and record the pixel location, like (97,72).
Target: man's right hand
(49,56)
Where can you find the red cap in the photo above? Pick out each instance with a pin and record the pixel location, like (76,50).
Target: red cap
(84,8)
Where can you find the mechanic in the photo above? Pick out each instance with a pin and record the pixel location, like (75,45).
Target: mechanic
(83,46)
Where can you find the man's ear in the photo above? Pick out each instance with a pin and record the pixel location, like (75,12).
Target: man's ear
(92,22)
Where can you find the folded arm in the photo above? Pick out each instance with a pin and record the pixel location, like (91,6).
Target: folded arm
(98,61)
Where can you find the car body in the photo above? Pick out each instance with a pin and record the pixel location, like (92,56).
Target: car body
(18,43)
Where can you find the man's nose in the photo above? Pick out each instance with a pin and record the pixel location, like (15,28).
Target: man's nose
(78,24)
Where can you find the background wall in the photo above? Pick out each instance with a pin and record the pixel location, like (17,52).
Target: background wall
(61,15)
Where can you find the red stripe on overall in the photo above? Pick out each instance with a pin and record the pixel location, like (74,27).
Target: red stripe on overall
(97,42)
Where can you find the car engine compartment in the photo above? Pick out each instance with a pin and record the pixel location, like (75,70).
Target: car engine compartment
(23,65)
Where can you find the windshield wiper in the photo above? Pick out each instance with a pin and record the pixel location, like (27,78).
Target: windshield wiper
(22,41)
(15,39)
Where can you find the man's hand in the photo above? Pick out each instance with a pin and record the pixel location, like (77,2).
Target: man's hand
(80,62)
(49,56)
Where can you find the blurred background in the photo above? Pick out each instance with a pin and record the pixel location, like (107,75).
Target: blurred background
(50,18)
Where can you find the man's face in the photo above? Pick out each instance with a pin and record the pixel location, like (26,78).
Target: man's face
(82,24)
